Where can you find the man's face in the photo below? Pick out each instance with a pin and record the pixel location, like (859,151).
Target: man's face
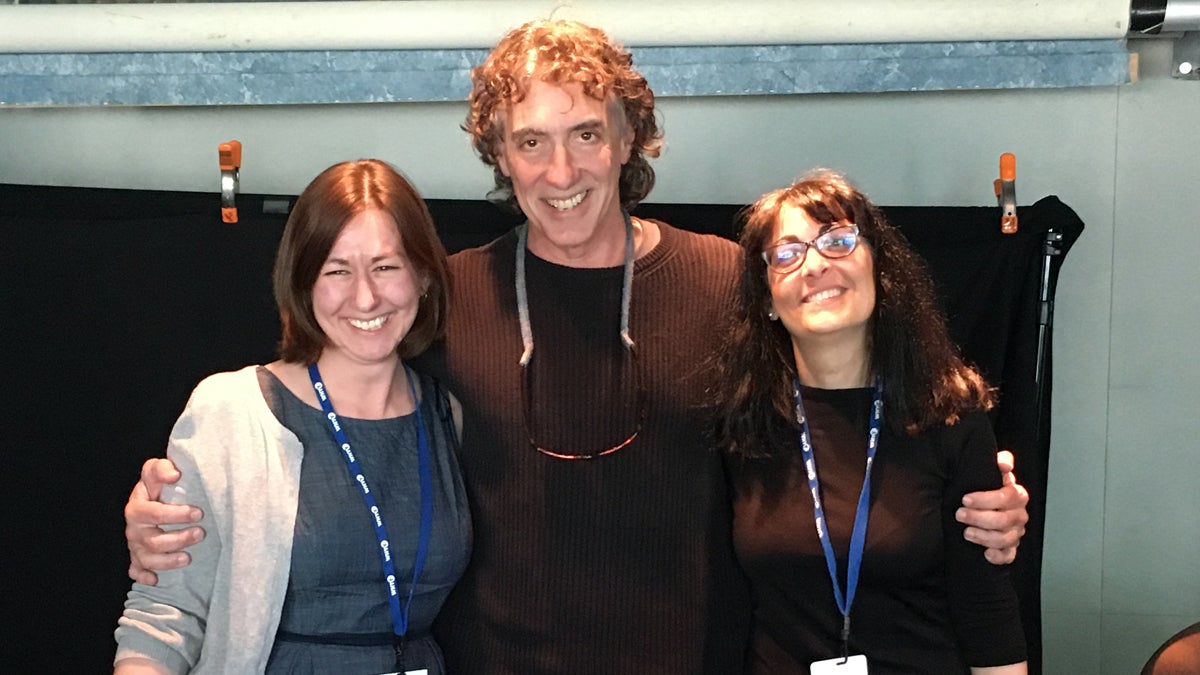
(563,151)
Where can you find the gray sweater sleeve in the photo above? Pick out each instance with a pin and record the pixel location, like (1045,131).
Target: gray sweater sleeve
(219,613)
(166,622)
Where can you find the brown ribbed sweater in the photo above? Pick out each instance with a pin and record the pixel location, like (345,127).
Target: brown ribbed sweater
(620,564)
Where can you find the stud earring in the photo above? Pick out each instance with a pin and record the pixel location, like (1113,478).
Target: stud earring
(771,315)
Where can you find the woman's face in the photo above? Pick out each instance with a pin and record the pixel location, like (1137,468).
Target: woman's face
(367,293)
(822,298)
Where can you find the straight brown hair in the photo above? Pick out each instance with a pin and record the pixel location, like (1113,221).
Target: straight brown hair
(321,212)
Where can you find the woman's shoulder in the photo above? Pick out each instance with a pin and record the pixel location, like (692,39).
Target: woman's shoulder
(967,439)
(227,383)
(229,391)
(430,386)
(224,412)
(435,394)
(964,424)
(972,422)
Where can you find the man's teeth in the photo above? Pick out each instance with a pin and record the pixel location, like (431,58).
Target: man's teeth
(567,204)
(373,324)
(825,295)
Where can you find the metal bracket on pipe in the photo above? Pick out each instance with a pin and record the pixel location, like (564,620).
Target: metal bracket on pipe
(230,156)
(1185,57)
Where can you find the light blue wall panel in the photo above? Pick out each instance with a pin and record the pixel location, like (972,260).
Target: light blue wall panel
(259,78)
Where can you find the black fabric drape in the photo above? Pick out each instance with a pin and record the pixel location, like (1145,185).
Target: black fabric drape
(990,288)
(116,302)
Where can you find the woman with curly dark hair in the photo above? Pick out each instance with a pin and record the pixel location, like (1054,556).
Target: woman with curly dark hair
(852,430)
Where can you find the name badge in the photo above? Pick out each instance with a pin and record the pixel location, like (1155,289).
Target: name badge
(423,671)
(854,665)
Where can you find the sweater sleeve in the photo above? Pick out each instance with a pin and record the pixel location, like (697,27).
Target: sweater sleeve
(167,622)
(983,603)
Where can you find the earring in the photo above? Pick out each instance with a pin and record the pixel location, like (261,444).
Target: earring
(771,314)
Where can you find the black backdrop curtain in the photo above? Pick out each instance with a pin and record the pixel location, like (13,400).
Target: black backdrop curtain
(116,302)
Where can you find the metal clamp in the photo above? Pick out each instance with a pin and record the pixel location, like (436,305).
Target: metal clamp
(229,155)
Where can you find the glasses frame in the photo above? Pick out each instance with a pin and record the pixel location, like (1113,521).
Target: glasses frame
(528,418)
(812,244)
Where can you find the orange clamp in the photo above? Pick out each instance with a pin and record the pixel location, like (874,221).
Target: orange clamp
(229,156)
(1006,193)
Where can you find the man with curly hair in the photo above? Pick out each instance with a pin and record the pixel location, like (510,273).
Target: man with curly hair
(577,344)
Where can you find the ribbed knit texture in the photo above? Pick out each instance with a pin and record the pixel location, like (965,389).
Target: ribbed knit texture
(620,564)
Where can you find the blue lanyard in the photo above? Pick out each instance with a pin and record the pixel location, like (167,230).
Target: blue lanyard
(399,615)
(858,536)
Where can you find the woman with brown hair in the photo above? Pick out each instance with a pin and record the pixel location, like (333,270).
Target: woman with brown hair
(335,513)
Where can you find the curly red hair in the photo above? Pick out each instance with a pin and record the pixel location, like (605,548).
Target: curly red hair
(560,52)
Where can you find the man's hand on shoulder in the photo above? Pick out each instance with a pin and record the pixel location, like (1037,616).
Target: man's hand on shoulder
(150,547)
(996,519)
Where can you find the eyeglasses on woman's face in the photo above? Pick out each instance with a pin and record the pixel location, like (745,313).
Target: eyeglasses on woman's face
(787,256)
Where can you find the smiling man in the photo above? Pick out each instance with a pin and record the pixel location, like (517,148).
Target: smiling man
(563,153)
(605,546)
(578,345)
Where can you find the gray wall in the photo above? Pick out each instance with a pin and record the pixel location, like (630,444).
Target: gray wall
(1123,539)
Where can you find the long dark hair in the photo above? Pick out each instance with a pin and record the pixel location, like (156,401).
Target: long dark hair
(925,381)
